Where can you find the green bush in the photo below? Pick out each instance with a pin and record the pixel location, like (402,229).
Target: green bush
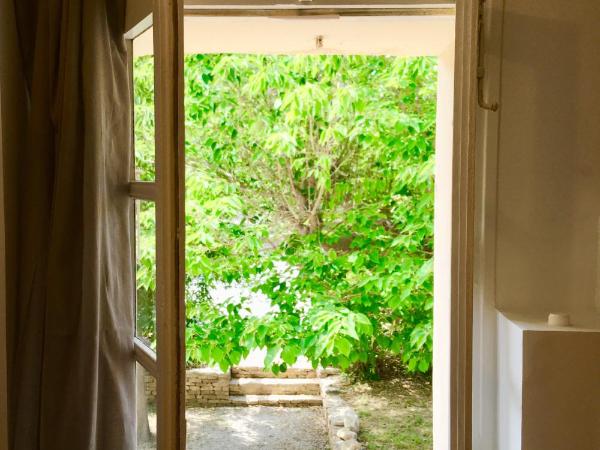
(310,180)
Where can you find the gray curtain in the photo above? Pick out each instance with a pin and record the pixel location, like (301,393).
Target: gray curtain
(73,374)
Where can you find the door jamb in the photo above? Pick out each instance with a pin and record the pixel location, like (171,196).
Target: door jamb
(463,215)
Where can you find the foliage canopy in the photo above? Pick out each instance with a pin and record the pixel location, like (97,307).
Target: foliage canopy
(309,181)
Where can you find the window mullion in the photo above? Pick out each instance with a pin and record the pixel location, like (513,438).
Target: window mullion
(143,190)
(145,356)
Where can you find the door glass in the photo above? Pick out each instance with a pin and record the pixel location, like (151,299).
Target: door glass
(145,218)
(143,106)
(145,409)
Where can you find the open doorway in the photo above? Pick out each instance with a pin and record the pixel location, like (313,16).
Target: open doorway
(263,46)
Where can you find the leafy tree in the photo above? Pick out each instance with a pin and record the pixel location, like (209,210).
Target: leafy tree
(309,180)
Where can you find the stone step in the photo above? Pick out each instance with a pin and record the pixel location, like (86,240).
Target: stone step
(274,386)
(258,372)
(276,400)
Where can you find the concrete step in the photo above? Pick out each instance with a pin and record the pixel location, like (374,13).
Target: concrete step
(276,400)
(274,386)
(258,372)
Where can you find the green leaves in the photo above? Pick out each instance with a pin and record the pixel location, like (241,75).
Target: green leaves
(309,179)
(217,354)
(363,324)
(290,353)
(343,345)
(272,353)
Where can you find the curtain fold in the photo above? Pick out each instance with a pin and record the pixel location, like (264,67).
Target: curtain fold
(73,370)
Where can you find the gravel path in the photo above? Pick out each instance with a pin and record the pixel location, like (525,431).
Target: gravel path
(254,428)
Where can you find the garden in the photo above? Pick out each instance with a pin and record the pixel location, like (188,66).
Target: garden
(309,212)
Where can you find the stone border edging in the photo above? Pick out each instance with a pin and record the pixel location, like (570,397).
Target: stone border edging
(342,421)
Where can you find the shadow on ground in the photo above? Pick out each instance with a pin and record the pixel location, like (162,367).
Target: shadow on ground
(254,428)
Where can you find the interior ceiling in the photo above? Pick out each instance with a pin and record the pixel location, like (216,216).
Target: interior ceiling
(386,35)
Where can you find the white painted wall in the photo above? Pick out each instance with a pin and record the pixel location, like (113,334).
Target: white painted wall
(443,251)
(510,384)
(399,35)
(548,385)
(539,183)
(563,411)
(549,158)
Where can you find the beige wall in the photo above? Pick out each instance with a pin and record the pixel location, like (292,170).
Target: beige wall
(540,182)
(563,412)
(549,157)
(548,386)
(137,10)
(401,36)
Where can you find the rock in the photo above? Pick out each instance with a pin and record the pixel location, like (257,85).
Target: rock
(346,435)
(327,372)
(347,445)
(351,421)
(337,420)
(333,401)
(331,390)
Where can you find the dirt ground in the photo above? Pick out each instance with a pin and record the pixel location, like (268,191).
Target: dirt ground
(395,414)
(253,428)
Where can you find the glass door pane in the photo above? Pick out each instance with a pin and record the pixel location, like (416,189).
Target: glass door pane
(143,106)
(145,409)
(145,234)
